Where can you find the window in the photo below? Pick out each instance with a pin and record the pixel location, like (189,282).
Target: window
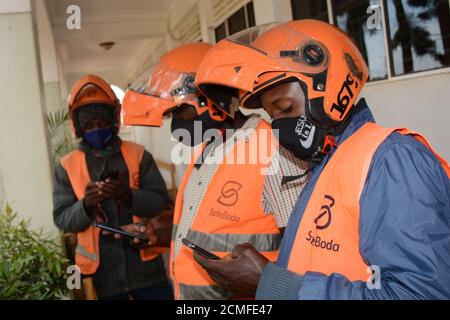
(251,14)
(417,31)
(221,32)
(309,9)
(351,16)
(237,21)
(419,34)
(242,19)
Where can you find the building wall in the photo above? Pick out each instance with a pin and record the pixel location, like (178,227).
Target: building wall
(53,96)
(25,163)
(49,66)
(421,103)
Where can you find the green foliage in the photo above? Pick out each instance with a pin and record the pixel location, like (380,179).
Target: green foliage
(62,141)
(32,266)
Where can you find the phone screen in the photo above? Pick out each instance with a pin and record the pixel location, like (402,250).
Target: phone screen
(204,253)
(122,232)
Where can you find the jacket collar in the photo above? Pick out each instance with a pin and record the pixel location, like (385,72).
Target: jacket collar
(360,116)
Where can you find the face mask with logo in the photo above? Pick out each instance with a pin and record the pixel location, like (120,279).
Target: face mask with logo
(196,136)
(302,138)
(100,138)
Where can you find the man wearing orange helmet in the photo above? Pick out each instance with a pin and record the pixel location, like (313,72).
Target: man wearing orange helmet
(114,182)
(377,205)
(219,203)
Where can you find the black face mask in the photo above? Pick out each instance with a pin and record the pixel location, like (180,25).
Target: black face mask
(301,137)
(195,130)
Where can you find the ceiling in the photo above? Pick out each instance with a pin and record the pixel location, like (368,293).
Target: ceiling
(132,25)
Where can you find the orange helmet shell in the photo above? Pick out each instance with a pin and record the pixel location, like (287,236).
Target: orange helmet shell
(92,89)
(322,57)
(171,84)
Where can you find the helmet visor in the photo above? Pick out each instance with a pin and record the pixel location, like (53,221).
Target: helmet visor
(142,109)
(172,85)
(156,93)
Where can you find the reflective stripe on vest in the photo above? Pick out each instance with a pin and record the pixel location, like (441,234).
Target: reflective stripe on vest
(87,251)
(81,250)
(225,242)
(234,191)
(327,240)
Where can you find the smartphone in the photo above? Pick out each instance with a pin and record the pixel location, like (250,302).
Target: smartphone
(124,233)
(204,253)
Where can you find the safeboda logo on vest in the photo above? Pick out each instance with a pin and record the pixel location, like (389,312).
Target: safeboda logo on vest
(229,196)
(250,147)
(323,222)
(230,193)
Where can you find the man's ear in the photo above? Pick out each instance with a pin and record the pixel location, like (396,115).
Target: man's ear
(216,113)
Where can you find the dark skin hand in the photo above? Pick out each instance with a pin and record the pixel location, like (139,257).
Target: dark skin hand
(241,271)
(115,189)
(93,195)
(120,190)
(145,228)
(98,191)
(158,231)
(238,272)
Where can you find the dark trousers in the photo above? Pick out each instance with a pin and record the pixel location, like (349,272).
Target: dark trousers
(159,292)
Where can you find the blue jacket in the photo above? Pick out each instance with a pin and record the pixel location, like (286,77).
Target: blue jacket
(404,228)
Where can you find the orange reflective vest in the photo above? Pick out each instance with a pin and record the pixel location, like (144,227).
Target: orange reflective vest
(230,213)
(87,255)
(327,240)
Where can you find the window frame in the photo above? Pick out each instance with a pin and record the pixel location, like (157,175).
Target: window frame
(333,15)
(228,16)
(225,24)
(387,32)
(388,49)
(228,21)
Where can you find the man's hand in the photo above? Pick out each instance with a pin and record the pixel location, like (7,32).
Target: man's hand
(115,189)
(239,272)
(145,228)
(93,195)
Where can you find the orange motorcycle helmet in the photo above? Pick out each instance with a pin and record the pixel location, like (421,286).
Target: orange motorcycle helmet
(92,89)
(170,84)
(323,58)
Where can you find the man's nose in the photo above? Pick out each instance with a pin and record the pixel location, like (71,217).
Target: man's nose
(280,106)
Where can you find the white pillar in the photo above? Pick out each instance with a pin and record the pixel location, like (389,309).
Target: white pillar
(25,162)
(205,12)
(48,58)
(267,11)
